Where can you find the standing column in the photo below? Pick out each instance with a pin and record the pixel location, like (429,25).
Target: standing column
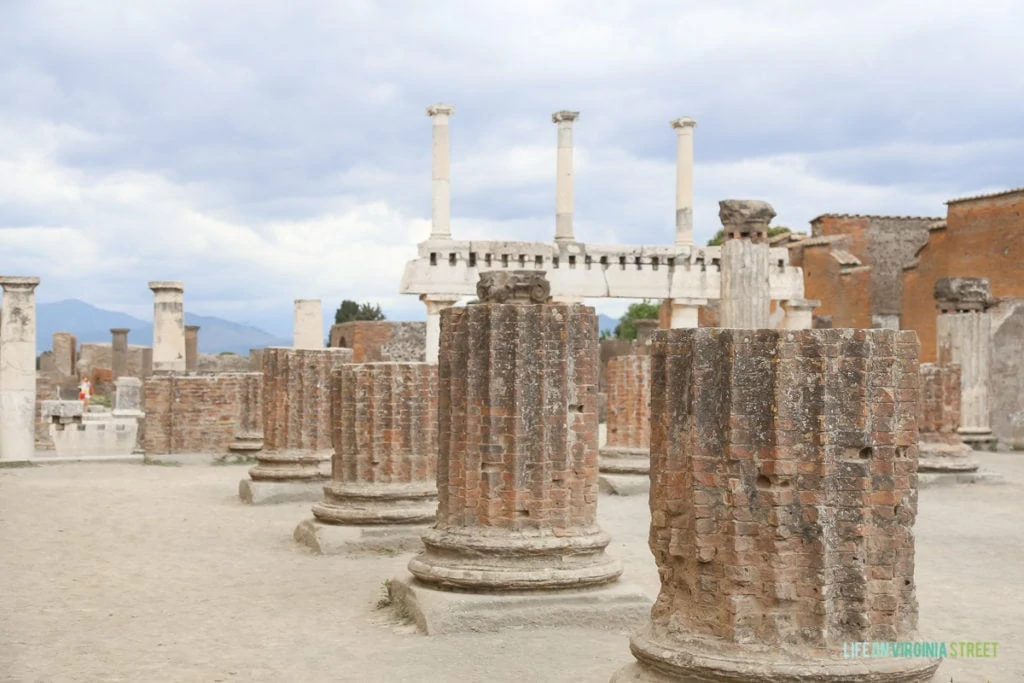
(684,181)
(191,348)
(18,368)
(119,351)
(440,174)
(685,312)
(625,457)
(435,304)
(746,298)
(168,326)
(65,353)
(783,499)
(939,446)
(964,333)
(800,313)
(563,176)
(308,329)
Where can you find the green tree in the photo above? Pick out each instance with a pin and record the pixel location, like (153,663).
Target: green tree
(645,310)
(772,232)
(350,310)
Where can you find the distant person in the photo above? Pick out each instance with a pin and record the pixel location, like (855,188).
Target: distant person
(84,392)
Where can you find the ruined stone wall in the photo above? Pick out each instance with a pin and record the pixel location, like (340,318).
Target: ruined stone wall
(193,413)
(297,397)
(381,341)
(1006,386)
(226,362)
(46,390)
(99,355)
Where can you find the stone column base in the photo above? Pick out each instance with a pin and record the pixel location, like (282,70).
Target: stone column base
(934,480)
(622,460)
(247,443)
(348,503)
(624,484)
(615,607)
(945,457)
(256,492)
(338,539)
(287,466)
(699,660)
(978,440)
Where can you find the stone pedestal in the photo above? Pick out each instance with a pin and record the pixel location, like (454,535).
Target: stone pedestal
(625,456)
(308,328)
(964,335)
(18,368)
(168,326)
(783,497)
(119,351)
(746,295)
(940,448)
(191,348)
(128,406)
(249,436)
(383,490)
(517,468)
(65,353)
(296,425)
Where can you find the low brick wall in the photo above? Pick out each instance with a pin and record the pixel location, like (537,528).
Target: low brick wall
(99,355)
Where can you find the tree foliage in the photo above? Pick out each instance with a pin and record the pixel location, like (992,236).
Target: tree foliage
(350,310)
(772,232)
(645,310)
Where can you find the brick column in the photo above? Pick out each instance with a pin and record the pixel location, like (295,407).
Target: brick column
(628,446)
(517,460)
(939,445)
(65,353)
(964,336)
(783,497)
(684,181)
(383,489)
(308,330)
(746,297)
(564,176)
(440,173)
(18,368)
(119,351)
(249,435)
(168,326)
(191,348)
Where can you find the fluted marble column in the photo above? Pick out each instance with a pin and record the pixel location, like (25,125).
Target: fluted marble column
(746,297)
(18,368)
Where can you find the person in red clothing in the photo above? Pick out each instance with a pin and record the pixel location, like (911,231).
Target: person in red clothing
(84,392)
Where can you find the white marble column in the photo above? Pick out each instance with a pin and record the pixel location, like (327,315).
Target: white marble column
(684,181)
(435,303)
(18,368)
(799,313)
(168,326)
(685,312)
(963,335)
(308,328)
(440,174)
(746,297)
(564,176)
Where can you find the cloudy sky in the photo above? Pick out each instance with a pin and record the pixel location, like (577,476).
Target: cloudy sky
(263,151)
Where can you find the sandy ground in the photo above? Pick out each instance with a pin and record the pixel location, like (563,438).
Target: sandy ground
(143,573)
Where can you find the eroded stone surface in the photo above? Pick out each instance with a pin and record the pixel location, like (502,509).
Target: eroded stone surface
(962,293)
(939,445)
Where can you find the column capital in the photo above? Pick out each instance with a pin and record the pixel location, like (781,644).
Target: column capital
(440,109)
(191,328)
(12,283)
(564,115)
(954,294)
(683,123)
(797,304)
(120,330)
(745,218)
(168,285)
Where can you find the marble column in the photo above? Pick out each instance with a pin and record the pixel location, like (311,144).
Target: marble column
(168,326)
(684,181)
(564,176)
(440,173)
(119,351)
(964,334)
(745,297)
(435,304)
(800,313)
(18,368)
(191,348)
(308,329)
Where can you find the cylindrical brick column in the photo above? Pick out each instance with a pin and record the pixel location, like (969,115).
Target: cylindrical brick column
(18,368)
(119,351)
(249,435)
(564,176)
(746,298)
(308,328)
(384,426)
(191,348)
(627,448)
(939,444)
(517,445)
(783,498)
(65,353)
(168,326)
(684,180)
(964,336)
(440,173)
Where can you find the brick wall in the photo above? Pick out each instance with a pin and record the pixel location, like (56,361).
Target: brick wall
(381,341)
(96,355)
(629,392)
(193,413)
(297,397)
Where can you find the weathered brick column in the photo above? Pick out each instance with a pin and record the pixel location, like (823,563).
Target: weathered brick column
(296,425)
(249,436)
(746,296)
(783,496)
(119,351)
(940,448)
(964,334)
(383,488)
(627,449)
(517,468)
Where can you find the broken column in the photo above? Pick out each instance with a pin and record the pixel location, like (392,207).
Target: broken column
(296,425)
(308,329)
(383,489)
(684,180)
(168,326)
(65,353)
(440,173)
(964,333)
(18,368)
(517,471)
(940,448)
(249,435)
(783,498)
(745,298)
(564,176)
(625,456)
(191,348)
(119,351)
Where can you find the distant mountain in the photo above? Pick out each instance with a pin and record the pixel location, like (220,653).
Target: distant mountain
(91,324)
(605,322)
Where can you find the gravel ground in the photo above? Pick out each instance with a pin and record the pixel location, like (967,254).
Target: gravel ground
(143,573)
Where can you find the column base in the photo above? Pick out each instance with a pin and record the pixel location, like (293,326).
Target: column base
(623,460)
(624,484)
(287,466)
(981,440)
(340,539)
(945,457)
(246,443)
(934,480)
(255,492)
(346,503)
(697,660)
(616,607)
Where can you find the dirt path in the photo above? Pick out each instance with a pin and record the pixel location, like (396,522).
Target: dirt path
(158,574)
